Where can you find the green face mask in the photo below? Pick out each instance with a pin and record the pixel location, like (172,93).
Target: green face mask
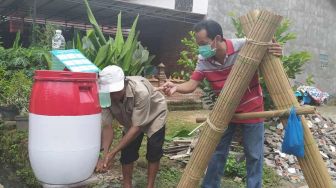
(206,51)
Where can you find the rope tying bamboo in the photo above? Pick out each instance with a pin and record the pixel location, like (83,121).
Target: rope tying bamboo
(248,58)
(312,143)
(248,40)
(194,177)
(213,127)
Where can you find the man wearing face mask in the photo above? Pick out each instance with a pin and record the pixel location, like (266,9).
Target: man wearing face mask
(216,58)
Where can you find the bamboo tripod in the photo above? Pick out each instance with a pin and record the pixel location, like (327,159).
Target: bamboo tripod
(261,26)
(241,74)
(312,165)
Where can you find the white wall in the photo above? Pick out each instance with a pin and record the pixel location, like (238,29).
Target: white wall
(170,4)
(313,22)
(199,6)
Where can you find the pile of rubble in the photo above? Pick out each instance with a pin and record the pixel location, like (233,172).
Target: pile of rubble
(287,166)
(324,132)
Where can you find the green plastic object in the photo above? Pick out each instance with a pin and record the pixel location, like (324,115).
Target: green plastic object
(105,100)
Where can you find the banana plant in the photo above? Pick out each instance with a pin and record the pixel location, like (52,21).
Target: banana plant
(129,54)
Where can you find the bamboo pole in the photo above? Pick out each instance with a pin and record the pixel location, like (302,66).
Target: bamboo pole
(312,165)
(241,74)
(268,114)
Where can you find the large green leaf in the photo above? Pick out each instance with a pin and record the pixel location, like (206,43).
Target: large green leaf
(149,69)
(111,50)
(94,23)
(73,44)
(48,59)
(16,43)
(182,133)
(92,37)
(110,54)
(119,40)
(144,56)
(139,70)
(87,44)
(128,59)
(88,48)
(78,43)
(130,38)
(101,55)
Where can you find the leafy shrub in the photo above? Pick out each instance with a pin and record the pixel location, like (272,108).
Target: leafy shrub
(15,90)
(17,66)
(14,152)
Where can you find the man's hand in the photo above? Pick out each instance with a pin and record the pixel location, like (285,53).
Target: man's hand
(275,49)
(169,88)
(100,166)
(108,160)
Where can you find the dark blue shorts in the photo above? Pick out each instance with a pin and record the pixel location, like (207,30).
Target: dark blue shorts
(154,148)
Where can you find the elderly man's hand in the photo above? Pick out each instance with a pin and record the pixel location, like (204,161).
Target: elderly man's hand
(108,160)
(100,166)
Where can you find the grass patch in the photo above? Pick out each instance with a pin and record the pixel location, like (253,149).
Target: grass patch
(175,123)
(271,178)
(228,182)
(168,176)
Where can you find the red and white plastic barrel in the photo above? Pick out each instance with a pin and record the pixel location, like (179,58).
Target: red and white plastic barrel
(64,126)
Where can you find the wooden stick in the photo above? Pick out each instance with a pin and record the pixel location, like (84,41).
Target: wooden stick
(268,114)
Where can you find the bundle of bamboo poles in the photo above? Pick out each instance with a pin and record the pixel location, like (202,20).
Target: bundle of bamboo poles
(277,82)
(241,74)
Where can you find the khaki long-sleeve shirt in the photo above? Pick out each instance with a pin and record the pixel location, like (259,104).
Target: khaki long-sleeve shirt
(141,106)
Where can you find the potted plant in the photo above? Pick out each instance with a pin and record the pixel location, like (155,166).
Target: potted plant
(7,111)
(15,94)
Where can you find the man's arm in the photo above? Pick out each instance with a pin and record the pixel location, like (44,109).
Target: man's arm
(107,138)
(188,87)
(107,131)
(130,135)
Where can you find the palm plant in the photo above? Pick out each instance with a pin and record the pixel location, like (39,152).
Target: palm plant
(130,55)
